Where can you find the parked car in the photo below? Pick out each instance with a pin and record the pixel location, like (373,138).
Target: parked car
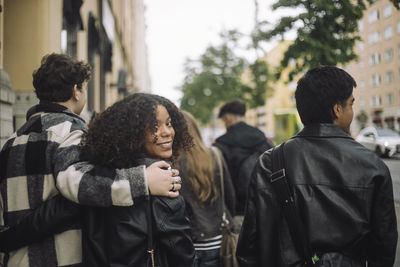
(384,142)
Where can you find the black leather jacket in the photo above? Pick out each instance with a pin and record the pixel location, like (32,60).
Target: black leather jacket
(205,219)
(343,193)
(117,236)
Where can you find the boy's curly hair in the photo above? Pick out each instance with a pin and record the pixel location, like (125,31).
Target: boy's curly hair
(57,75)
(116,136)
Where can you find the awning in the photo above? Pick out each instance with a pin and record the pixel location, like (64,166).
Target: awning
(391,118)
(377,120)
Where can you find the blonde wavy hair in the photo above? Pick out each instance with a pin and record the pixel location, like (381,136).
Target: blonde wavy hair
(200,165)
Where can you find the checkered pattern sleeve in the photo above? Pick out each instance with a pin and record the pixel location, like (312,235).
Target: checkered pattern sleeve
(92,185)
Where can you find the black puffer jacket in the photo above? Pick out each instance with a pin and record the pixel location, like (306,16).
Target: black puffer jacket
(117,236)
(343,193)
(237,144)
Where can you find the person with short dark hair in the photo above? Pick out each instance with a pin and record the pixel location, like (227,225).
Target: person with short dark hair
(341,191)
(238,143)
(42,161)
(234,107)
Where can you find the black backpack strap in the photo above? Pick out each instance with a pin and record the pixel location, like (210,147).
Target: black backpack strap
(281,186)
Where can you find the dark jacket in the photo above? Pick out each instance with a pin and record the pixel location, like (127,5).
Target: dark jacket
(238,143)
(117,236)
(205,219)
(343,193)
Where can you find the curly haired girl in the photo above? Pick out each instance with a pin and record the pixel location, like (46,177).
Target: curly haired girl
(140,129)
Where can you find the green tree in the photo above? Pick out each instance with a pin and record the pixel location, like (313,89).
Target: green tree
(326,32)
(216,78)
(261,78)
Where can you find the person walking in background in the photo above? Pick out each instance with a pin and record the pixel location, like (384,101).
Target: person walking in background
(201,189)
(342,192)
(42,160)
(138,130)
(241,145)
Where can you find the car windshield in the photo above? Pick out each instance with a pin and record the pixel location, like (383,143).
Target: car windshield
(386,132)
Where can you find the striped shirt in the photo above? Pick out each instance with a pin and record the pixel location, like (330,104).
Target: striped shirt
(209,243)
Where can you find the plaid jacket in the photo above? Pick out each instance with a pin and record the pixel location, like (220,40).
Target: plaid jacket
(42,160)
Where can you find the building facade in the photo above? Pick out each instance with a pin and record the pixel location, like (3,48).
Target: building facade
(109,35)
(278,118)
(377,71)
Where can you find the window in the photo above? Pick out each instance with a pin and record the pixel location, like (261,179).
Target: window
(64,41)
(387,11)
(292,86)
(362,103)
(389,99)
(389,77)
(362,84)
(374,59)
(373,37)
(388,32)
(360,26)
(71,25)
(389,54)
(376,80)
(376,101)
(108,20)
(373,16)
(361,46)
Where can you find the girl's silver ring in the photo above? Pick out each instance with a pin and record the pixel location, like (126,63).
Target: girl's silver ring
(177,180)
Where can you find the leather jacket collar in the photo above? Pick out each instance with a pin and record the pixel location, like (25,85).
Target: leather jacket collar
(322,130)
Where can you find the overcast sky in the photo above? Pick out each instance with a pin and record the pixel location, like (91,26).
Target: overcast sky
(180,29)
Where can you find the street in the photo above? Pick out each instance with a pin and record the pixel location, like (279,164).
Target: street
(397,262)
(394,167)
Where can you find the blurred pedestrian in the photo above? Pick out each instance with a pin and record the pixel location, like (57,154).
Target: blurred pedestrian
(340,194)
(138,130)
(241,145)
(201,189)
(42,160)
